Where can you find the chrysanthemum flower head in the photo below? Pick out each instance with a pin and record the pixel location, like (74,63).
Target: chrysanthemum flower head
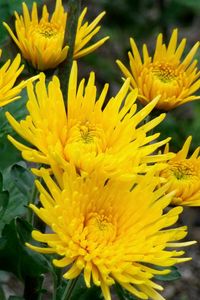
(183,173)
(9,72)
(176,80)
(110,232)
(110,139)
(41,41)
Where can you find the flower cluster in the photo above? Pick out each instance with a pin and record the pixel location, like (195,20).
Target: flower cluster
(105,185)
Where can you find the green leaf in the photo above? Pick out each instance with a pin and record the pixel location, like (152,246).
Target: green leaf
(4,197)
(2,295)
(22,178)
(4,16)
(173,275)
(8,153)
(15,257)
(17,204)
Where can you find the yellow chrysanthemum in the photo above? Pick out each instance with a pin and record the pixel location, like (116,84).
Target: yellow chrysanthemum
(110,139)
(184,175)
(165,74)
(111,232)
(41,40)
(9,73)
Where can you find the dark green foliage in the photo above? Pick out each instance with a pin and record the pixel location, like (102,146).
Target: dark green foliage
(2,295)
(81,292)
(4,196)
(173,275)
(15,257)
(22,178)
(18,185)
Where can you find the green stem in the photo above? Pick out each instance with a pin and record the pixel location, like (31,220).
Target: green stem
(57,280)
(69,289)
(70,37)
(33,199)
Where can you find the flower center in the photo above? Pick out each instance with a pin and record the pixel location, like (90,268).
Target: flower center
(164,72)
(100,228)
(87,133)
(84,138)
(47,30)
(184,170)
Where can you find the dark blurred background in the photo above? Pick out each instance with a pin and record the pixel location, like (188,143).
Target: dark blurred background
(142,20)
